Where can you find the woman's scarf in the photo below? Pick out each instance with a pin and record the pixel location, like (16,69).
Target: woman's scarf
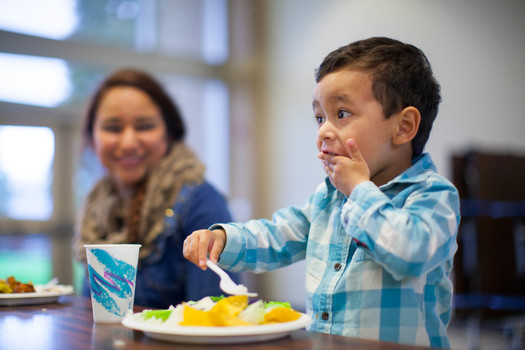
(106,215)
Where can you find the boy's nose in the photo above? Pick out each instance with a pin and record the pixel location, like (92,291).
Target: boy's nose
(325,132)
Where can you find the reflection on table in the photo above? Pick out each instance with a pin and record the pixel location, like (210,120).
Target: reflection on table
(69,324)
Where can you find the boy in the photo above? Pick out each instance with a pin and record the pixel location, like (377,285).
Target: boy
(379,235)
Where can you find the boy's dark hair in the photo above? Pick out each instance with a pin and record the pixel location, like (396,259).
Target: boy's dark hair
(401,77)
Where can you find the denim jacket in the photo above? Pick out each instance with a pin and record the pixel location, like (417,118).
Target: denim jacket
(165,277)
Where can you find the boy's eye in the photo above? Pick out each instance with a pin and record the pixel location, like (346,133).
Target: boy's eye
(343,114)
(319,119)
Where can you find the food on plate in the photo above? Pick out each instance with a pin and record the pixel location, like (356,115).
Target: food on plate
(223,312)
(11,285)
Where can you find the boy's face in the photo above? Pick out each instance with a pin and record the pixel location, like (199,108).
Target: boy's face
(345,107)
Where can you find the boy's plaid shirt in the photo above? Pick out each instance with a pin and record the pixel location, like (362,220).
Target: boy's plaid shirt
(377,262)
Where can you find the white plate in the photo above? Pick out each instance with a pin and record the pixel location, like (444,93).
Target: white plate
(41,296)
(215,335)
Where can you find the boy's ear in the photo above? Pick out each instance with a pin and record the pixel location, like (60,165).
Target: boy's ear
(407,125)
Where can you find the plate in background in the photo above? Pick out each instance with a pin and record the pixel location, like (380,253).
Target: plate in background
(40,296)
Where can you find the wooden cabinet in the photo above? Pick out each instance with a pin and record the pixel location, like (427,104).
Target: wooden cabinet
(489,267)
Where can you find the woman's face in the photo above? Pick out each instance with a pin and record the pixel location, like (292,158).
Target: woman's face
(129,134)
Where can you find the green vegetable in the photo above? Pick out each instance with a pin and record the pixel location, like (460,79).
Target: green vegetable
(160,314)
(275,304)
(216,299)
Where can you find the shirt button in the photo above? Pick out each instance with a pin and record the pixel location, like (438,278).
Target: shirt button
(169,212)
(325,316)
(337,266)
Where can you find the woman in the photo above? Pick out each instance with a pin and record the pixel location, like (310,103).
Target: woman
(154,193)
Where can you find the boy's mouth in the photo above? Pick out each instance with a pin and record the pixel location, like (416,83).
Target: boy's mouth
(329,153)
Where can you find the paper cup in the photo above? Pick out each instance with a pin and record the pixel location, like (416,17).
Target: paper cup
(112,272)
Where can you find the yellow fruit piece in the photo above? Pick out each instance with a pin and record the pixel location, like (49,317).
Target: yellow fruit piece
(222,314)
(221,320)
(281,314)
(194,317)
(231,306)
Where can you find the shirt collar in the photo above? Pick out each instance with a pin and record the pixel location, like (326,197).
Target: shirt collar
(422,167)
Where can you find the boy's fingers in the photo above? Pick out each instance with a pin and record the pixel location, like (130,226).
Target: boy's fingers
(326,159)
(185,248)
(200,243)
(217,244)
(215,251)
(353,149)
(202,251)
(191,248)
(188,251)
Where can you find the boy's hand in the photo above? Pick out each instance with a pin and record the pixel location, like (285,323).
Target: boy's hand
(200,243)
(346,172)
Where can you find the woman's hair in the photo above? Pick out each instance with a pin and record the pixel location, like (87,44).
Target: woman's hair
(401,76)
(146,83)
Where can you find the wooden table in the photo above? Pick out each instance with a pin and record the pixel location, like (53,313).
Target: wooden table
(69,325)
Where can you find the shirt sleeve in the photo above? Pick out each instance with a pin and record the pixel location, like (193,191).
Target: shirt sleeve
(264,245)
(408,239)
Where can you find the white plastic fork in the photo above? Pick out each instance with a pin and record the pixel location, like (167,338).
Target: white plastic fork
(227,285)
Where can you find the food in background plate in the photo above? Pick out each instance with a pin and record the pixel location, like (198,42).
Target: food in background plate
(11,285)
(222,312)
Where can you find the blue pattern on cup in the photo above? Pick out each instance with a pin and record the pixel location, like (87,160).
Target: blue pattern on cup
(117,282)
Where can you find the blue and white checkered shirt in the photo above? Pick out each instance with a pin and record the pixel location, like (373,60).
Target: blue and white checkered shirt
(377,262)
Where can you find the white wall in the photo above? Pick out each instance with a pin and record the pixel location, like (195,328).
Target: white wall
(477,51)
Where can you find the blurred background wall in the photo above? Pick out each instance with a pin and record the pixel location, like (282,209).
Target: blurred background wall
(475,47)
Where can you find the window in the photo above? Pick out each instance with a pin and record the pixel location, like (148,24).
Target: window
(28,258)
(26,160)
(57,53)
(190,29)
(55,19)
(33,80)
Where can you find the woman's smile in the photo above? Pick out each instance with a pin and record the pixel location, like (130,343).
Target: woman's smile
(129,162)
